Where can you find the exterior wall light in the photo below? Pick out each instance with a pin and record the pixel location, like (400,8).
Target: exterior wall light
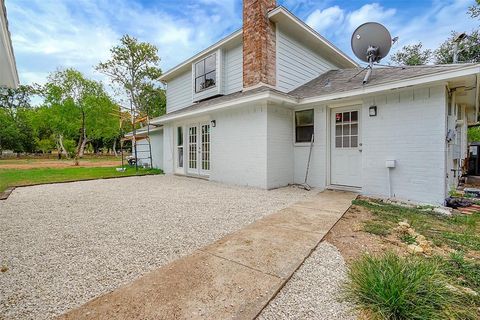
(372,111)
(213,123)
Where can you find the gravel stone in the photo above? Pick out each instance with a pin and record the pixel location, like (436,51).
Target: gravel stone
(64,244)
(314,291)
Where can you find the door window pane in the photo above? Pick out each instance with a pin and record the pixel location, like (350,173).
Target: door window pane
(354,116)
(346,129)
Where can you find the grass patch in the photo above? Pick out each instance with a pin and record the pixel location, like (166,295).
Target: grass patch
(408,239)
(392,287)
(377,228)
(16,177)
(460,232)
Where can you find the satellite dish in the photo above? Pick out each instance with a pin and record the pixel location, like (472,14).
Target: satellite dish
(371,42)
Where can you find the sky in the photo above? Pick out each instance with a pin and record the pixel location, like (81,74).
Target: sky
(52,34)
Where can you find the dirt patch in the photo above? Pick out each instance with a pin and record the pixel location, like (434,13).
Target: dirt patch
(59,164)
(350,239)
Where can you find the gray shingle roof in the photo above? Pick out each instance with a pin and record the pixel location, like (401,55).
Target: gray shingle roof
(342,80)
(222,99)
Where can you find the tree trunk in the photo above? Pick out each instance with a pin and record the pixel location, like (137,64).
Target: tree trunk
(62,147)
(82,147)
(114,148)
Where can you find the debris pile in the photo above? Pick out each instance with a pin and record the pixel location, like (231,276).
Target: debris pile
(421,244)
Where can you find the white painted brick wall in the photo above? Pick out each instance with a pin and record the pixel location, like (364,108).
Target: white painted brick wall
(239,146)
(168,149)
(279,147)
(409,128)
(317,171)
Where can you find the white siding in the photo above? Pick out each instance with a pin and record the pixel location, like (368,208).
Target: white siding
(179,92)
(297,64)
(233,78)
(239,146)
(143,152)
(409,128)
(279,147)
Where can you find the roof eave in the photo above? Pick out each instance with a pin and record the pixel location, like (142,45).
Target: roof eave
(257,97)
(438,77)
(172,72)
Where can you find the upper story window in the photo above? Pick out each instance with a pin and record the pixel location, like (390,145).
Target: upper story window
(304,125)
(205,73)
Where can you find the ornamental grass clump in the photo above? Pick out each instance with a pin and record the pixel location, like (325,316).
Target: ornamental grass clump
(397,288)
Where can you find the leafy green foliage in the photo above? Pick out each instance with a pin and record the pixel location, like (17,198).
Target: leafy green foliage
(473,134)
(392,287)
(16,132)
(412,55)
(468,49)
(474,10)
(133,67)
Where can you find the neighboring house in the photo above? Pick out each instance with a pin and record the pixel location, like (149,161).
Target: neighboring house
(243,112)
(8,68)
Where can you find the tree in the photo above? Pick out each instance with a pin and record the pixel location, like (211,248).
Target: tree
(412,55)
(80,105)
(468,49)
(16,132)
(474,10)
(134,67)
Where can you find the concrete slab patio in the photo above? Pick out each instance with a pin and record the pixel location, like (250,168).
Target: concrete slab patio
(234,277)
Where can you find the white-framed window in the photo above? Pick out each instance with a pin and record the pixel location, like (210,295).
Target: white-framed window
(304,125)
(206,73)
(179,147)
(346,129)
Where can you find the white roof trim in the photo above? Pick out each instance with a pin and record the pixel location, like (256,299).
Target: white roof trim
(441,76)
(272,96)
(213,47)
(307,28)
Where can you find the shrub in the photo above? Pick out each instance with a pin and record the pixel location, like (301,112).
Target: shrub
(397,288)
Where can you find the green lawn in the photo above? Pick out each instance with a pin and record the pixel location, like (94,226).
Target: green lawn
(16,177)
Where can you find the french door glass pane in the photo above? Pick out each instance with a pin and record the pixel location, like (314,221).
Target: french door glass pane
(192,147)
(206,147)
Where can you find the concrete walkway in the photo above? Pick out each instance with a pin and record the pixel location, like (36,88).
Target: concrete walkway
(234,277)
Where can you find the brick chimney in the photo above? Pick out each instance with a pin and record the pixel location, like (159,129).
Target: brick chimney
(259,51)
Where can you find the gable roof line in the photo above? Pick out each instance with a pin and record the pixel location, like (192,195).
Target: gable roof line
(214,46)
(440,76)
(306,27)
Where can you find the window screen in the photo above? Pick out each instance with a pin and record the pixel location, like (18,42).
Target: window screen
(303,125)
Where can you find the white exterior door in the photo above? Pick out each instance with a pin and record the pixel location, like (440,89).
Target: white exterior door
(346,157)
(198,149)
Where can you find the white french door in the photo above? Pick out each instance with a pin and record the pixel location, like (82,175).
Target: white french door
(346,157)
(199,149)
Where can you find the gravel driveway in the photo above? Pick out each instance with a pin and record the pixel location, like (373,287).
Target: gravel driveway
(63,244)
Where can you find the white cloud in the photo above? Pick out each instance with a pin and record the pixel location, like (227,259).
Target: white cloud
(48,34)
(369,13)
(320,20)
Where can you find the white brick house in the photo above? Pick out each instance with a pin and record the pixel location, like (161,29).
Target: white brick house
(243,112)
